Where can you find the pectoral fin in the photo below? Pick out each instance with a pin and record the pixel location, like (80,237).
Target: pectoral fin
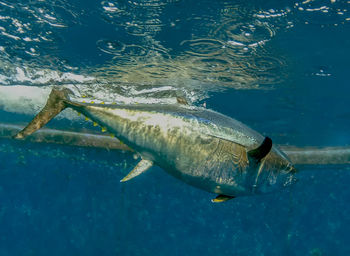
(141,167)
(261,151)
(222,198)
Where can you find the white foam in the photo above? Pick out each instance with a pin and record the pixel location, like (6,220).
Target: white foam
(27,100)
(23,99)
(45,76)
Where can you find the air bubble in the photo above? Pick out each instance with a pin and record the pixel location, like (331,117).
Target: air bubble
(110,46)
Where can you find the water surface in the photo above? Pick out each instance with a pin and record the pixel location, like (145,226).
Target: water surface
(279,66)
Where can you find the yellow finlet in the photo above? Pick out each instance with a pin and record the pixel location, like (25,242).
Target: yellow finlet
(103,129)
(222,198)
(94,124)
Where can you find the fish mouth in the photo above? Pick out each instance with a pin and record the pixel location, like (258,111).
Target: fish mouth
(292,169)
(291,179)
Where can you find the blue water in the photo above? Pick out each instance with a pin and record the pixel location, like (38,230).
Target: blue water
(281,67)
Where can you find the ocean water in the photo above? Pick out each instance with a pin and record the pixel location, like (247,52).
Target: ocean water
(281,67)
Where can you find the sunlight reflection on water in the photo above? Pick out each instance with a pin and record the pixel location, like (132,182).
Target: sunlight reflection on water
(151,43)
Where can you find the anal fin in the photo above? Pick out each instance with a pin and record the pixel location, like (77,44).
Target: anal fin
(222,198)
(141,167)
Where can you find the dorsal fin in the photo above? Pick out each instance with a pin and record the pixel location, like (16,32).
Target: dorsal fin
(181,100)
(261,151)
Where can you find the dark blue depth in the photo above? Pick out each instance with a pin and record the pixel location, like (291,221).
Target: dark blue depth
(60,200)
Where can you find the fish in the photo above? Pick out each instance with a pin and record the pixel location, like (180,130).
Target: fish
(199,146)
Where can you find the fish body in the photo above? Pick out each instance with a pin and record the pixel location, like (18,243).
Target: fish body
(199,146)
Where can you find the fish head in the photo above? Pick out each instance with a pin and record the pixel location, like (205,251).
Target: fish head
(273,173)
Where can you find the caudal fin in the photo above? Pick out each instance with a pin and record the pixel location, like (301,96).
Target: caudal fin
(54,105)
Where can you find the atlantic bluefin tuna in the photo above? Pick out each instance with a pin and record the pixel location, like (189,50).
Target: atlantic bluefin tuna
(199,146)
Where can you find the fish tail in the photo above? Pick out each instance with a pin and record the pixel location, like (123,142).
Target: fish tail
(55,104)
